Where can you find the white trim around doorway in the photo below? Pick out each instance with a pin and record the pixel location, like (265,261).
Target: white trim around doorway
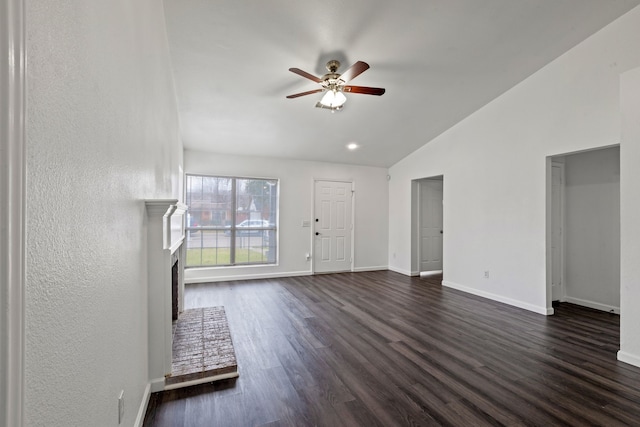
(12,207)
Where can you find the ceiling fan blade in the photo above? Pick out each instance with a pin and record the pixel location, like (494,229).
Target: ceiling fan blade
(364,90)
(304,74)
(296,95)
(354,71)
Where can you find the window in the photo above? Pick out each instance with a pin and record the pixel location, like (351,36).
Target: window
(231,221)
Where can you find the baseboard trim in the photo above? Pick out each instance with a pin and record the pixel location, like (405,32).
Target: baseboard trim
(405,272)
(592,304)
(157,385)
(208,279)
(142,411)
(629,358)
(499,298)
(378,268)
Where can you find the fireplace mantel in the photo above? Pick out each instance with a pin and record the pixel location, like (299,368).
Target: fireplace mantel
(172,221)
(165,236)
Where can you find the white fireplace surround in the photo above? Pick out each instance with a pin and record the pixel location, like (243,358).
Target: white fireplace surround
(165,236)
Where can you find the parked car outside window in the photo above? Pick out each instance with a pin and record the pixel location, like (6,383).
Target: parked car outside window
(246,228)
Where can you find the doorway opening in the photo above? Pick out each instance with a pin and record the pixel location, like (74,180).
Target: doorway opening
(427,226)
(583,229)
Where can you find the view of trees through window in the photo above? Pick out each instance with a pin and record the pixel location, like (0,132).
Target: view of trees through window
(231,221)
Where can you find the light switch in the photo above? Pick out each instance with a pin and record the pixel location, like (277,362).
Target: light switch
(306,223)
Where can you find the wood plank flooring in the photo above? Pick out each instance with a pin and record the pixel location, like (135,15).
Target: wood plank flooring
(383,349)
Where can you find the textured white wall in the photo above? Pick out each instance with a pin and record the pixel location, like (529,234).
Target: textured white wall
(592,228)
(494,167)
(296,204)
(102,135)
(629,219)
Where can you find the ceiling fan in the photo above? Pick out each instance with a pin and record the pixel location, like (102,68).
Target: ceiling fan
(335,85)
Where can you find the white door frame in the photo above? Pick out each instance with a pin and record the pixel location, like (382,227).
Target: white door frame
(415,221)
(12,209)
(420,218)
(313,218)
(550,162)
(560,165)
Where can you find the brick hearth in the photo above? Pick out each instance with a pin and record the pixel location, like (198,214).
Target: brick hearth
(202,346)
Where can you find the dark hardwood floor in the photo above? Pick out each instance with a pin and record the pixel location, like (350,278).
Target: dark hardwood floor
(383,349)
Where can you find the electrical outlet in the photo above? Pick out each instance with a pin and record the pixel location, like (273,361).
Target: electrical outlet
(121,407)
(486,274)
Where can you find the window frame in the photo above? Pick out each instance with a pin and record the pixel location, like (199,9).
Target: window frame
(232,230)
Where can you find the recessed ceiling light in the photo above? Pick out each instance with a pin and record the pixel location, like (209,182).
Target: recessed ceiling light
(352,146)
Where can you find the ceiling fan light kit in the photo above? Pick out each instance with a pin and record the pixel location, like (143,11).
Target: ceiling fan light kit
(326,107)
(333,98)
(335,85)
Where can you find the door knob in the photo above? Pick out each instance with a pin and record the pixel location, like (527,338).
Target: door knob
(317,234)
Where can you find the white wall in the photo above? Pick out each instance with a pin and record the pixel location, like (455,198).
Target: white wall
(102,135)
(592,229)
(494,167)
(296,204)
(629,219)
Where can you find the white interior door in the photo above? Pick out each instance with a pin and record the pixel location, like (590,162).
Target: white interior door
(557,173)
(332,226)
(430,225)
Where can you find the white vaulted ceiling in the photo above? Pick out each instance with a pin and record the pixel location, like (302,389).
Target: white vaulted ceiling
(439,61)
